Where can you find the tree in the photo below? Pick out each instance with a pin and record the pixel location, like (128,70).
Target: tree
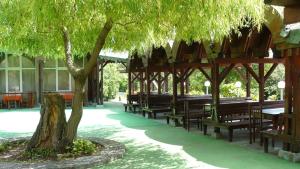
(64,28)
(114,80)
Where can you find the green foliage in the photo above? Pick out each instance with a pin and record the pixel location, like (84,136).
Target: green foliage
(35,26)
(39,153)
(3,147)
(273,97)
(271,87)
(114,81)
(229,90)
(197,83)
(83,147)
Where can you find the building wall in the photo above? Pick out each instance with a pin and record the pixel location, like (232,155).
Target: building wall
(21,74)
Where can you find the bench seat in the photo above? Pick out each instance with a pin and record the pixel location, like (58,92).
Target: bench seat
(153,111)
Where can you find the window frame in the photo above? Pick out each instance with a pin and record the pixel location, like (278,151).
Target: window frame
(19,68)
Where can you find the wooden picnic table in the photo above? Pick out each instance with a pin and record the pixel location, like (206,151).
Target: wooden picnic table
(12,97)
(273,111)
(274,114)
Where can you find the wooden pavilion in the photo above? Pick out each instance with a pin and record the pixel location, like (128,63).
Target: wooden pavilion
(252,48)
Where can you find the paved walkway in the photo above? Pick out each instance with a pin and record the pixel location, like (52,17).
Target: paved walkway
(151,144)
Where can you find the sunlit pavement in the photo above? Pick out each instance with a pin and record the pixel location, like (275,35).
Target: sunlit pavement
(150,144)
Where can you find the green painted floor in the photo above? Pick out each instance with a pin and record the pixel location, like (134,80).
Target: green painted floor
(150,144)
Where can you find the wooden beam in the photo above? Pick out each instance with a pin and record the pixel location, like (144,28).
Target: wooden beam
(225,72)
(241,74)
(228,61)
(282,2)
(271,70)
(166,75)
(153,77)
(180,66)
(189,74)
(135,76)
(184,73)
(291,14)
(251,71)
(205,74)
(124,65)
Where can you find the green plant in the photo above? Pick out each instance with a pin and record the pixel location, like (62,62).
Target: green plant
(39,153)
(272,97)
(83,147)
(3,147)
(229,90)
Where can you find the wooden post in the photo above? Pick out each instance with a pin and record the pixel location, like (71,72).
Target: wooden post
(148,87)
(295,125)
(215,94)
(141,88)
(261,68)
(248,84)
(215,90)
(159,82)
(166,83)
(175,81)
(129,85)
(182,83)
(187,86)
(101,85)
(98,82)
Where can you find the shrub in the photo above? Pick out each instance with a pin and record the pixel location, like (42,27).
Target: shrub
(39,153)
(272,97)
(83,147)
(3,148)
(229,90)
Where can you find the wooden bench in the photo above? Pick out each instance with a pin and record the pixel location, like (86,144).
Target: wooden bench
(176,118)
(262,121)
(196,111)
(132,103)
(157,104)
(153,111)
(131,106)
(278,134)
(230,116)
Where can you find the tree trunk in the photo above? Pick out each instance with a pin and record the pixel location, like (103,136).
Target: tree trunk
(77,108)
(50,130)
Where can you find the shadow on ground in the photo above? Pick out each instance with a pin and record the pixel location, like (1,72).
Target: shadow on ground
(208,150)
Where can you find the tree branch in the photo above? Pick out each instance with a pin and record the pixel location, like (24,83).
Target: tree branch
(68,52)
(98,46)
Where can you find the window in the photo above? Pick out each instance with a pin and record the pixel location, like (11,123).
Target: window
(56,76)
(49,80)
(28,81)
(2,81)
(17,73)
(13,77)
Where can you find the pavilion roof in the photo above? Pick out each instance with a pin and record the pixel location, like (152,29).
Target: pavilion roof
(113,57)
(291,33)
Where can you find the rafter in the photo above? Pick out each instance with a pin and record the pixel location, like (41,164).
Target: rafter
(251,71)
(271,70)
(225,72)
(205,74)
